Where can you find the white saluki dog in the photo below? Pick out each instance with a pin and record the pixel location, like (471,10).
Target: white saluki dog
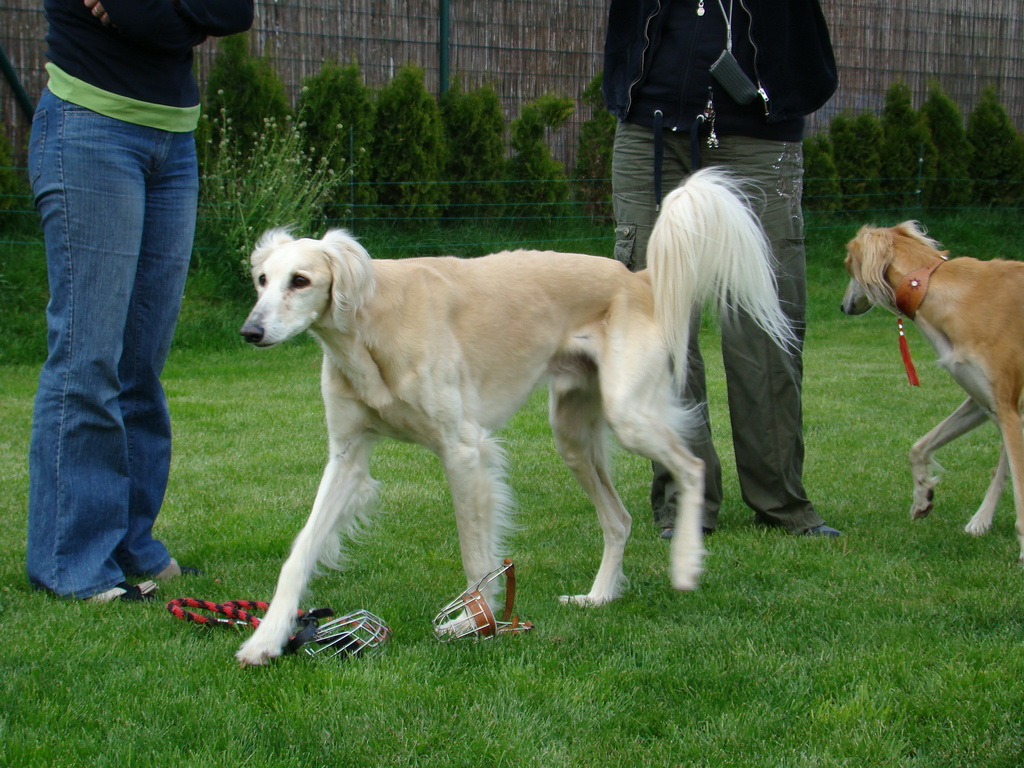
(972,313)
(442,351)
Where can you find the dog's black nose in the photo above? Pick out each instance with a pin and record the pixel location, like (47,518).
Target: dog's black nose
(252,333)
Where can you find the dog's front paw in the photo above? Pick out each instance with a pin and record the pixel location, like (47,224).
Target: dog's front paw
(255,653)
(922,504)
(977,527)
(459,627)
(584,600)
(687,566)
(686,582)
(924,496)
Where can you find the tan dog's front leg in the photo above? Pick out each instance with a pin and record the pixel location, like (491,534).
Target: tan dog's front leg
(269,640)
(924,482)
(962,420)
(346,492)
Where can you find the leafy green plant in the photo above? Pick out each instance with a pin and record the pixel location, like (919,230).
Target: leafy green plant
(538,180)
(250,186)
(952,186)
(408,149)
(474,130)
(23,294)
(15,194)
(335,114)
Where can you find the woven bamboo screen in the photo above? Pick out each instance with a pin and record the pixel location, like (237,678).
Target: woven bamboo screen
(526,48)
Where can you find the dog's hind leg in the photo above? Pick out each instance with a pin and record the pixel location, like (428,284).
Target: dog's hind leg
(346,491)
(659,442)
(1009,419)
(580,436)
(982,520)
(647,420)
(965,418)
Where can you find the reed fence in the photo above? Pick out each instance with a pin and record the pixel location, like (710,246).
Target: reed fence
(527,48)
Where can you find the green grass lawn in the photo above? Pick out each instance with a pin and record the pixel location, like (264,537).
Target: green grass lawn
(899,644)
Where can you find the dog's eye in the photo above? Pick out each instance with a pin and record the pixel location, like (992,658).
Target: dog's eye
(262,280)
(300,281)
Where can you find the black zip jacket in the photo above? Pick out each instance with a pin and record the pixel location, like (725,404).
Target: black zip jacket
(658,54)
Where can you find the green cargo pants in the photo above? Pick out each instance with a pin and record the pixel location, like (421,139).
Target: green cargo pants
(763,381)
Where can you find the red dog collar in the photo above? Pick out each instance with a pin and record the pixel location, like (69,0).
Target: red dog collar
(913,288)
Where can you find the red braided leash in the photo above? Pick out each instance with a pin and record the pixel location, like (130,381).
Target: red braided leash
(239,613)
(234,612)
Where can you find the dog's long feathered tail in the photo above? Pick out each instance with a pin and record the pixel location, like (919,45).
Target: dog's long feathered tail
(708,246)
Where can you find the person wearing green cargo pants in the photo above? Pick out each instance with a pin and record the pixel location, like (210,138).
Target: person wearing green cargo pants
(676,116)
(764,381)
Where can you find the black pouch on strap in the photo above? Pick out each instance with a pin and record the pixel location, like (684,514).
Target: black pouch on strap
(727,73)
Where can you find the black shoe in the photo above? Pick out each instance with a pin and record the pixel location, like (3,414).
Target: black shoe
(173,570)
(666,532)
(131,593)
(822,530)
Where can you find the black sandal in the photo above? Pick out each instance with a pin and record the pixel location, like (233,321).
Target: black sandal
(132,593)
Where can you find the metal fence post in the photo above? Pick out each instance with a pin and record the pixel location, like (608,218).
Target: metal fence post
(19,92)
(442,47)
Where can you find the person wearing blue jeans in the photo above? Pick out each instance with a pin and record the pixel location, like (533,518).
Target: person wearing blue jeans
(112,162)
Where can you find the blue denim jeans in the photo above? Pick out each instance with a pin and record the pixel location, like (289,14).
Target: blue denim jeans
(118,207)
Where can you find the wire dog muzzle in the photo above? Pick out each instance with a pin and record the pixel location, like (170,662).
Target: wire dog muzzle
(356,634)
(470,615)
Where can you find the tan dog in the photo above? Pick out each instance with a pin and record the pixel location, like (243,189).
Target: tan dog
(442,351)
(972,312)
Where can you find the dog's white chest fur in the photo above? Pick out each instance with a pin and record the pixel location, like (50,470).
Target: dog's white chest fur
(965,372)
(973,380)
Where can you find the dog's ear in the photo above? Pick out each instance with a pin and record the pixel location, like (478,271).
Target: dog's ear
(871,254)
(914,230)
(352,282)
(271,239)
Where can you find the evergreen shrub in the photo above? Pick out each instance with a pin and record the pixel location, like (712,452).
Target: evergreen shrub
(821,180)
(538,182)
(593,170)
(335,114)
(997,153)
(855,150)
(408,149)
(474,132)
(908,155)
(952,186)
(242,91)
